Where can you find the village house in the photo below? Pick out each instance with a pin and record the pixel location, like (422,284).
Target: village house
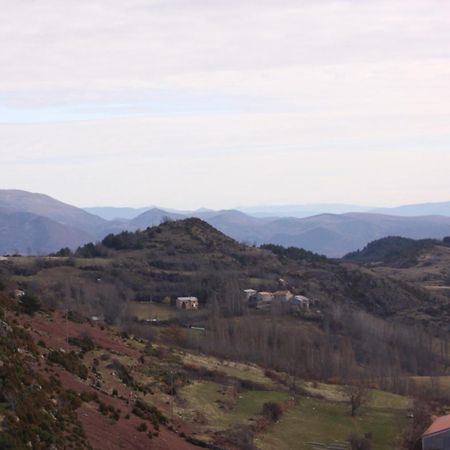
(302,302)
(282,296)
(263,299)
(187,303)
(249,293)
(437,436)
(263,296)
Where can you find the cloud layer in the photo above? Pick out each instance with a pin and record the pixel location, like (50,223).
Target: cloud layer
(228,102)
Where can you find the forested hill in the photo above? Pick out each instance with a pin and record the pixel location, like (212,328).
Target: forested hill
(358,318)
(190,257)
(394,250)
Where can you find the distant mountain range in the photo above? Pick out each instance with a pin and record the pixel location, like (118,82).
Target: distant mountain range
(299,211)
(113,213)
(37,224)
(420,209)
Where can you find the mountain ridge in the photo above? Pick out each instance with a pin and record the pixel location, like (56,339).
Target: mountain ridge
(331,234)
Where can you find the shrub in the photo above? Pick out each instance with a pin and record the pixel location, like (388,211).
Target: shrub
(64,252)
(85,343)
(70,361)
(76,317)
(123,241)
(149,412)
(272,411)
(124,375)
(87,396)
(30,304)
(142,427)
(360,442)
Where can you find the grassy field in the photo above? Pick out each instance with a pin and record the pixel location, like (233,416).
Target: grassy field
(205,398)
(149,311)
(312,421)
(378,399)
(442,383)
(231,368)
(323,421)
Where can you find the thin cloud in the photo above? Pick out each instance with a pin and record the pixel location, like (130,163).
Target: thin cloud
(245,97)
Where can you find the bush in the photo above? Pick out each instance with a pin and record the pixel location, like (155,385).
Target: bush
(142,427)
(70,361)
(30,304)
(64,252)
(123,241)
(91,251)
(149,412)
(239,436)
(124,374)
(87,396)
(360,442)
(272,411)
(75,317)
(85,343)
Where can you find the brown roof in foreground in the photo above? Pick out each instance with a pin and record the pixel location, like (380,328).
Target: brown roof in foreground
(440,424)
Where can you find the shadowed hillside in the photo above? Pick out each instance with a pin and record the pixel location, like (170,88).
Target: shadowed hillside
(30,234)
(45,206)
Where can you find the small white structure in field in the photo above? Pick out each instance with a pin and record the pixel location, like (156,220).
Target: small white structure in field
(18,293)
(249,293)
(187,303)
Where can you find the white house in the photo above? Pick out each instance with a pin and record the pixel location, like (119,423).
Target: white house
(187,303)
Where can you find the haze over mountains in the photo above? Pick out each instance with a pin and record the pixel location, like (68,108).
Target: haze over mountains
(38,224)
(299,211)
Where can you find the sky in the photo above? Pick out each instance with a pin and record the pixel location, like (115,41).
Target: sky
(219,103)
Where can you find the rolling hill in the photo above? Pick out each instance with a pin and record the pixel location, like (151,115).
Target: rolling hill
(151,218)
(45,206)
(329,234)
(29,234)
(116,213)
(362,323)
(333,235)
(421,263)
(419,209)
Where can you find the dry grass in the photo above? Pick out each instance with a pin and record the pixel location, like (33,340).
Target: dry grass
(233,369)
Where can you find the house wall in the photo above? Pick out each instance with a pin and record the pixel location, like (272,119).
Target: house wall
(187,304)
(438,441)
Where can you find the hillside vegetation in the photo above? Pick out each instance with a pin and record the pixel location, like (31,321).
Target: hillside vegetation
(189,257)
(394,250)
(423,264)
(132,394)
(102,321)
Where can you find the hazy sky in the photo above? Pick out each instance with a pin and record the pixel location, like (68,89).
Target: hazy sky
(218,103)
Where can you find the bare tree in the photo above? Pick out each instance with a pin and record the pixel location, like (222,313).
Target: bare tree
(421,420)
(356,395)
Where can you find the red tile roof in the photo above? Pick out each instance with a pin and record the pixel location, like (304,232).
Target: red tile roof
(440,424)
